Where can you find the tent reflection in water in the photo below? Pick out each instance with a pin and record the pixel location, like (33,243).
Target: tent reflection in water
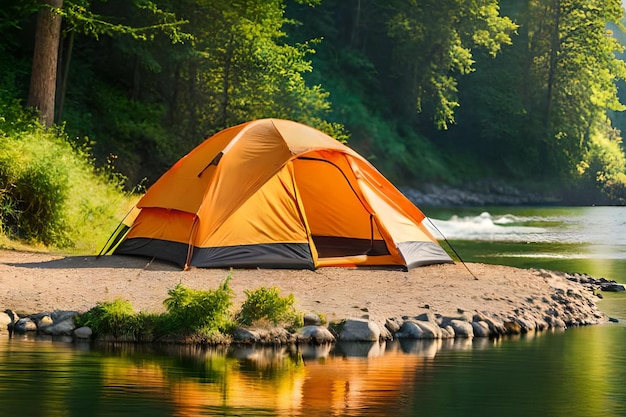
(274,193)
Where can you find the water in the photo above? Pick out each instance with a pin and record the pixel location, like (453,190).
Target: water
(578,372)
(590,240)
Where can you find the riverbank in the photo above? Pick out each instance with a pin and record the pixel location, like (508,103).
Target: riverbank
(526,299)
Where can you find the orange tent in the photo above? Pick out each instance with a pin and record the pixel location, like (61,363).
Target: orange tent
(274,193)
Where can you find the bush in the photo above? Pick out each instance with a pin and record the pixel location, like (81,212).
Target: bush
(116,318)
(50,191)
(201,311)
(266,304)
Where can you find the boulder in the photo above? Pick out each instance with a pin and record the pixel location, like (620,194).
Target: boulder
(612,287)
(393,324)
(315,334)
(480,328)
(24,325)
(312,319)
(83,332)
(62,315)
(5,320)
(462,329)
(62,328)
(357,330)
(417,329)
(244,335)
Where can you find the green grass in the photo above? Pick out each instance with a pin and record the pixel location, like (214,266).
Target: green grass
(51,194)
(197,316)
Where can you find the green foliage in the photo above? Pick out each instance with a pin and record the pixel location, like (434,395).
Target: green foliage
(149,21)
(33,192)
(203,311)
(115,318)
(266,304)
(50,192)
(431,52)
(572,69)
(604,165)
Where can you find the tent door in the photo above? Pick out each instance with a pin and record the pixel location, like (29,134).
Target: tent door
(340,224)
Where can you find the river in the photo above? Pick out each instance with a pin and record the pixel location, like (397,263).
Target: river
(577,372)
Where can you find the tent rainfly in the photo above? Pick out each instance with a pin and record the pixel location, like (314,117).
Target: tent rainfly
(274,193)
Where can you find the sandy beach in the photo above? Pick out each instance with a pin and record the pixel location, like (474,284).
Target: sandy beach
(32,282)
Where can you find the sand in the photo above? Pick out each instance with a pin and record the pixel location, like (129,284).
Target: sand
(40,282)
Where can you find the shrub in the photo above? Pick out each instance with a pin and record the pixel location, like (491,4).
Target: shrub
(204,311)
(116,318)
(267,304)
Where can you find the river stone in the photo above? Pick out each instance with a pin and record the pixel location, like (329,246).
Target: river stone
(496,326)
(411,330)
(447,332)
(63,328)
(62,315)
(358,330)
(312,319)
(462,328)
(429,317)
(25,325)
(612,287)
(315,334)
(480,328)
(245,335)
(431,329)
(527,324)
(43,322)
(4,320)
(393,324)
(512,327)
(83,332)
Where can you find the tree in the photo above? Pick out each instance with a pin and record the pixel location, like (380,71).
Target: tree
(44,70)
(433,47)
(572,75)
(42,92)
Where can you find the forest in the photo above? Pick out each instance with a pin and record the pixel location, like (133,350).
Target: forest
(523,92)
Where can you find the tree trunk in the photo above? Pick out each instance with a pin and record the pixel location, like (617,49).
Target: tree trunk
(45,59)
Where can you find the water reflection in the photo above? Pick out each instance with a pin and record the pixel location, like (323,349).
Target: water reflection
(119,379)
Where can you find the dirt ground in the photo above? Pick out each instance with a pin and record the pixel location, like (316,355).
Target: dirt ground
(42,282)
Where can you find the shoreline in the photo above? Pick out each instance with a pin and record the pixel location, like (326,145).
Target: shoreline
(502,300)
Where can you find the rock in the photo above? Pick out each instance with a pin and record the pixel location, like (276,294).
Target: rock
(431,328)
(385,333)
(496,326)
(315,334)
(462,328)
(312,319)
(4,320)
(83,332)
(527,324)
(613,287)
(480,328)
(62,315)
(24,325)
(43,322)
(447,332)
(393,324)
(512,327)
(63,328)
(274,335)
(244,335)
(429,317)
(357,330)
(427,329)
